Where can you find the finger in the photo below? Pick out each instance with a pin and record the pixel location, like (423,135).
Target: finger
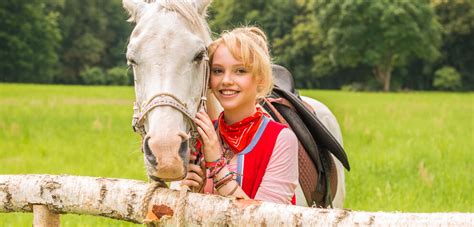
(205,118)
(204,137)
(201,124)
(192,157)
(190,183)
(207,129)
(196,169)
(194,177)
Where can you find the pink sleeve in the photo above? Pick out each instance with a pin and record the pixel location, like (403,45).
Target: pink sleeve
(281,177)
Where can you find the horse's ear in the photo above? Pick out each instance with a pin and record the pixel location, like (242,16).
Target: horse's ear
(134,7)
(202,6)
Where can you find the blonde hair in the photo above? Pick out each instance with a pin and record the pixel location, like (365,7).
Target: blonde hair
(249,45)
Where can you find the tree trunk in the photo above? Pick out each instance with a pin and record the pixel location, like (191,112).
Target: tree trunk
(122,199)
(386,82)
(383,75)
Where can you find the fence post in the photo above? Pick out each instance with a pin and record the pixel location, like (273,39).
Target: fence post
(43,217)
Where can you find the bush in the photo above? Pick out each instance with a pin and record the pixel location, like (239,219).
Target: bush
(93,76)
(117,76)
(355,86)
(370,85)
(447,78)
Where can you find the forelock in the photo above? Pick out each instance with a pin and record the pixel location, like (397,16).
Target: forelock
(187,10)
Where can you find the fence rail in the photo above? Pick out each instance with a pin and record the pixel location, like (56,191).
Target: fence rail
(123,199)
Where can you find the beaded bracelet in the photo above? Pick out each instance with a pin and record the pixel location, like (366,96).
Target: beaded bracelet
(214,171)
(219,162)
(229,173)
(224,181)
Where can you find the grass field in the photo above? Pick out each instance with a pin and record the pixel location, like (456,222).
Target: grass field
(409,152)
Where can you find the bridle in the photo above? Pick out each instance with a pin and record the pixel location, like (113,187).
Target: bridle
(140,112)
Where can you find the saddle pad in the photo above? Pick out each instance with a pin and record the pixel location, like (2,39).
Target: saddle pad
(320,133)
(316,178)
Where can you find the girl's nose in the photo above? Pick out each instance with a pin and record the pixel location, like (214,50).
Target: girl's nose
(227,79)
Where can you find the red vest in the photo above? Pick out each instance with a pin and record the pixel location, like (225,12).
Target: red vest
(252,162)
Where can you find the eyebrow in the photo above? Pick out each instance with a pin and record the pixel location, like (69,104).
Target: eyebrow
(234,66)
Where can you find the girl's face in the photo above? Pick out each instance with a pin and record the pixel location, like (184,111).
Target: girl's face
(233,85)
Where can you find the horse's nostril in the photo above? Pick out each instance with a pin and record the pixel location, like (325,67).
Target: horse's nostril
(183,150)
(148,154)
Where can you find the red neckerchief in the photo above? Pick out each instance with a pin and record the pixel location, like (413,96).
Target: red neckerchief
(240,134)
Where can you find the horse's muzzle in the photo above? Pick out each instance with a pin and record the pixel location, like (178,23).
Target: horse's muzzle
(166,159)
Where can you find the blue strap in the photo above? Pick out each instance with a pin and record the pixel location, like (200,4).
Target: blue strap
(250,147)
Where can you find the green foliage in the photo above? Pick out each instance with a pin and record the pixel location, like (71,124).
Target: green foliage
(95,34)
(274,16)
(447,78)
(382,34)
(457,19)
(117,76)
(37,35)
(353,87)
(29,40)
(324,43)
(301,49)
(93,76)
(292,32)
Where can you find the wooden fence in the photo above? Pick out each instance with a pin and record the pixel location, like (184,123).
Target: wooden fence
(50,195)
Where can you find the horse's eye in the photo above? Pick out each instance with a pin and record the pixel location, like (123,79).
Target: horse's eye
(131,62)
(199,56)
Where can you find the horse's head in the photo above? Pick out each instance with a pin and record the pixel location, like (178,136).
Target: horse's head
(167,50)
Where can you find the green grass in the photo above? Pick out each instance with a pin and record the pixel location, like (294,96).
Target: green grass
(408,151)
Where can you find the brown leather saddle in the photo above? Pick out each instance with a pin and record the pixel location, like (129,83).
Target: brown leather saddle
(317,171)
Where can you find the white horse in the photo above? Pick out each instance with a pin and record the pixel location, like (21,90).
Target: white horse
(167,50)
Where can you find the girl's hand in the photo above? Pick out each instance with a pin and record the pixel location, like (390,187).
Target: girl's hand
(195,176)
(211,145)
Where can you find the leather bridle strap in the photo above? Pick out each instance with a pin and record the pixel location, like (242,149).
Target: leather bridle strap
(161,99)
(166,99)
(207,74)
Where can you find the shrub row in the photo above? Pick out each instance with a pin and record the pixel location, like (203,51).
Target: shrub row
(114,76)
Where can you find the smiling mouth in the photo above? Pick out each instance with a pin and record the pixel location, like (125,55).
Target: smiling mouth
(228,92)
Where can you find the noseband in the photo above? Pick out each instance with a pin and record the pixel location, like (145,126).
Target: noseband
(140,112)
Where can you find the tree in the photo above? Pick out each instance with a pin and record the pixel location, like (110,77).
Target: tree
(274,16)
(302,47)
(95,33)
(289,24)
(457,18)
(29,39)
(383,34)
(81,24)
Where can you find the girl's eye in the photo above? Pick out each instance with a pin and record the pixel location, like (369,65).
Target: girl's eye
(216,71)
(241,71)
